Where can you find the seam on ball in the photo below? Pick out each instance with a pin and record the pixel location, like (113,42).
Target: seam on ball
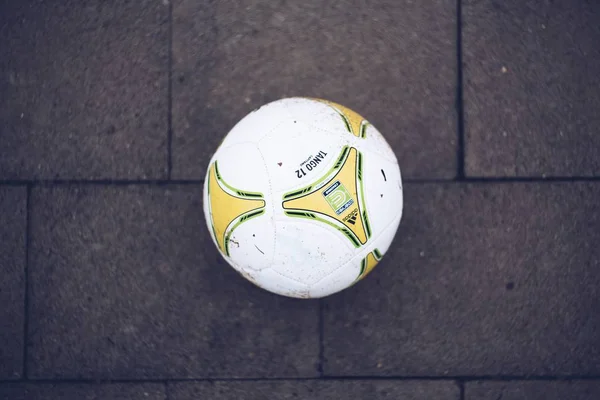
(272,197)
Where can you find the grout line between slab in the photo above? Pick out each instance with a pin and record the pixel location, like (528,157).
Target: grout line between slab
(461,389)
(26,281)
(460,380)
(460,153)
(170,94)
(321,343)
(167,390)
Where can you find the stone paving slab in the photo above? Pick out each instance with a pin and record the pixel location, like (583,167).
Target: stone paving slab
(82,391)
(482,279)
(315,390)
(533,390)
(83,89)
(126,283)
(531,87)
(13,222)
(394,63)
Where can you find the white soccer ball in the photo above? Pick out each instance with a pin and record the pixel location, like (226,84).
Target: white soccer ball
(303,197)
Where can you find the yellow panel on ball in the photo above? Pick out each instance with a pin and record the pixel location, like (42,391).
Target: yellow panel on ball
(338,198)
(355,123)
(227,205)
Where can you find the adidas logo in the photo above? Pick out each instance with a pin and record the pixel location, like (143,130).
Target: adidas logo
(351,218)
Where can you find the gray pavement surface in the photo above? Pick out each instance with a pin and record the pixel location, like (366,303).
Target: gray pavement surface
(315,389)
(532,88)
(112,289)
(84,89)
(82,391)
(13,222)
(580,390)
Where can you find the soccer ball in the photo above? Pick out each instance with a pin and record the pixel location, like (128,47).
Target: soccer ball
(303,197)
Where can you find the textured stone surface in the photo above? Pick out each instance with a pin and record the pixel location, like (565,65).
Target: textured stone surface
(531,87)
(317,390)
(13,223)
(394,63)
(83,89)
(537,390)
(482,279)
(126,283)
(73,391)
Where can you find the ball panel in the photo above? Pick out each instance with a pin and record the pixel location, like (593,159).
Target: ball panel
(242,167)
(257,124)
(336,119)
(307,251)
(227,208)
(368,263)
(376,144)
(339,279)
(383,241)
(354,123)
(273,281)
(337,199)
(237,190)
(305,109)
(252,243)
(297,155)
(383,191)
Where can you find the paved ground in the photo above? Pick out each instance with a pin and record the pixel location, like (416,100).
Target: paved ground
(111,288)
